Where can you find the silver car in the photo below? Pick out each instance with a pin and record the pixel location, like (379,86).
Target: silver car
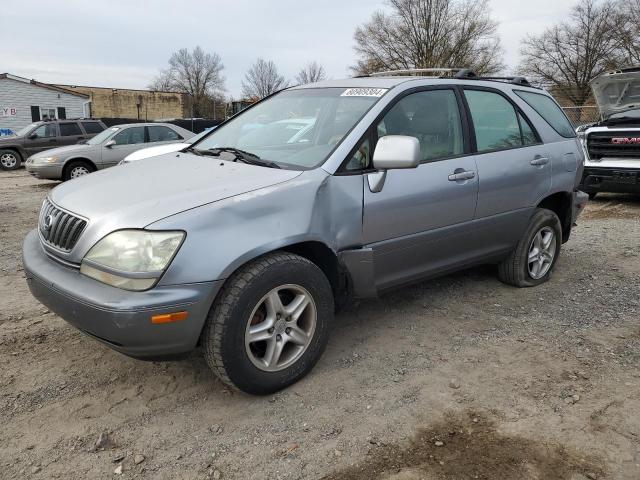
(249,243)
(104,150)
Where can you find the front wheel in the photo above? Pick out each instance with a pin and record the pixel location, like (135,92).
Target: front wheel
(270,323)
(9,160)
(532,261)
(77,169)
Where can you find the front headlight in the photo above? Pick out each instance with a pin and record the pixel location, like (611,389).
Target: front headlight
(131,259)
(51,159)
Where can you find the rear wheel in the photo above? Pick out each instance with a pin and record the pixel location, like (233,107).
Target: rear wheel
(77,169)
(270,324)
(532,261)
(10,160)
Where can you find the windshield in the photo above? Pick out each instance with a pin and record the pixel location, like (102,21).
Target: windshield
(628,115)
(296,128)
(102,136)
(23,131)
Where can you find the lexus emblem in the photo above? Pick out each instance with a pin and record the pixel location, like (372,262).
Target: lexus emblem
(47,222)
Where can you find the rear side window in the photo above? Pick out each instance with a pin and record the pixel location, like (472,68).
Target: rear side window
(92,127)
(70,129)
(162,134)
(548,109)
(495,121)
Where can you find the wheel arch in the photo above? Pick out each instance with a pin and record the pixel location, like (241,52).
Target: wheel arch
(15,149)
(78,159)
(560,203)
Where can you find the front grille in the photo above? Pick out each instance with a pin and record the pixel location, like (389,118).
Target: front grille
(600,145)
(58,228)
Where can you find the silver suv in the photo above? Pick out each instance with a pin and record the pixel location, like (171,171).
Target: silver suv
(250,239)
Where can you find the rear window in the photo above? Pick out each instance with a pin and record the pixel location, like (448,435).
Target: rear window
(550,111)
(92,127)
(69,129)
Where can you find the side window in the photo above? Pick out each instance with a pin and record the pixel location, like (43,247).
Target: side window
(70,129)
(46,131)
(92,127)
(494,121)
(162,134)
(529,137)
(432,117)
(549,110)
(130,136)
(361,158)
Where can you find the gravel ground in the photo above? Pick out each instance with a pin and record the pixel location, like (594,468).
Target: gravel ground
(457,378)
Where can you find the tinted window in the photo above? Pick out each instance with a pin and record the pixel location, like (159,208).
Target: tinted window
(69,129)
(432,117)
(130,136)
(47,130)
(92,127)
(548,109)
(529,137)
(494,121)
(162,134)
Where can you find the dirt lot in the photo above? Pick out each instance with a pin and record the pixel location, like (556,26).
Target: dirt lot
(458,378)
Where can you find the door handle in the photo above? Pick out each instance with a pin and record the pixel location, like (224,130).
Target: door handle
(462,175)
(537,161)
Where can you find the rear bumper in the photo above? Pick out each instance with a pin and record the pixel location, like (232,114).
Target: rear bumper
(610,179)
(118,318)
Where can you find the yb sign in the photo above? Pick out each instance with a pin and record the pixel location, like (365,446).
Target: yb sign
(8,111)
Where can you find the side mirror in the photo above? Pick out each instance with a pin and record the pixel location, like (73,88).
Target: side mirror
(393,151)
(396,151)
(33,136)
(110,143)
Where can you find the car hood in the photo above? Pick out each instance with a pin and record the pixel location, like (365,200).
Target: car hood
(137,194)
(69,149)
(616,92)
(155,151)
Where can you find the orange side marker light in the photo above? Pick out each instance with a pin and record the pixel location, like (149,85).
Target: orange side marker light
(169,317)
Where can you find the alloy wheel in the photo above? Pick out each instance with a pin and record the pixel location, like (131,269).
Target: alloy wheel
(280,328)
(542,252)
(8,160)
(79,171)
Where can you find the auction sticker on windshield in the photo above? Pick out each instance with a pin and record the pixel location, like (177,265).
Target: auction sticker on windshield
(364,92)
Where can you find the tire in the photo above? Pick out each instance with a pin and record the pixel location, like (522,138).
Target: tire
(10,160)
(75,169)
(246,300)
(516,269)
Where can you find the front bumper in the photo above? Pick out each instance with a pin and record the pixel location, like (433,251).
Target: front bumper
(45,171)
(610,179)
(121,319)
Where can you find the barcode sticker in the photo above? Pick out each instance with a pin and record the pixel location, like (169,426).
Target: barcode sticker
(364,92)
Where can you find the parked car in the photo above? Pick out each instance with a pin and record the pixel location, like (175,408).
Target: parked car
(247,246)
(612,145)
(102,151)
(165,148)
(41,136)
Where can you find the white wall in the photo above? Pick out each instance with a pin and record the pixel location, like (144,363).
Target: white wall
(21,96)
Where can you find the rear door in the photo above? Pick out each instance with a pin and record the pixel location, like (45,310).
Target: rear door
(91,129)
(70,133)
(42,138)
(126,141)
(513,167)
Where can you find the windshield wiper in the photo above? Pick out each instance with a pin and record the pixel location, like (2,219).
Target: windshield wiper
(241,155)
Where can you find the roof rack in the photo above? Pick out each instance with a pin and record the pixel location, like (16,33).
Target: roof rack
(460,73)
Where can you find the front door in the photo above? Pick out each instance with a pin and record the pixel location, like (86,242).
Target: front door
(418,223)
(127,141)
(42,138)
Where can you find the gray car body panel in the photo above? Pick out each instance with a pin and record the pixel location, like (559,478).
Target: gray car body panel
(419,225)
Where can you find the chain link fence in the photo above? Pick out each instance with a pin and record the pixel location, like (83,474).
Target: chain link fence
(581,115)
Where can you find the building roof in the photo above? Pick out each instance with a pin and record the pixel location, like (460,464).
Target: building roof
(16,78)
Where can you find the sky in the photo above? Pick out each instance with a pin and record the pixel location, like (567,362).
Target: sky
(124,43)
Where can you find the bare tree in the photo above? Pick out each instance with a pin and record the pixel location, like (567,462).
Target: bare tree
(196,73)
(430,33)
(311,73)
(568,55)
(262,79)
(626,29)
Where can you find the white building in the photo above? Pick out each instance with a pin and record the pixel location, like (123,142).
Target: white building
(24,101)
